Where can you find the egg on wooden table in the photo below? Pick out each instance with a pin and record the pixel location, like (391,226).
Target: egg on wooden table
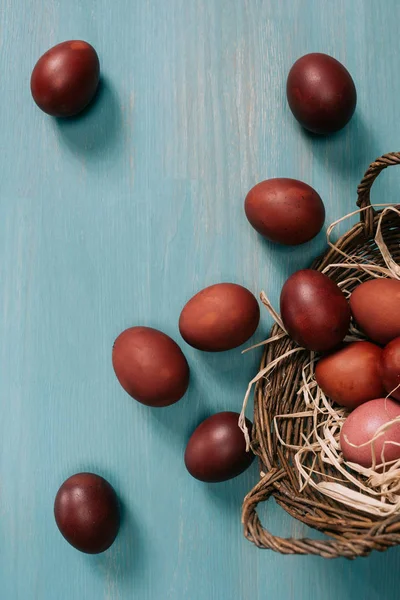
(375,305)
(220,317)
(86,510)
(321,93)
(150,366)
(360,428)
(351,375)
(285,210)
(314,310)
(65,79)
(391,368)
(216,450)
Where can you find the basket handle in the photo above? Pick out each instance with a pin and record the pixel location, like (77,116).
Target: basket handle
(364,189)
(254,531)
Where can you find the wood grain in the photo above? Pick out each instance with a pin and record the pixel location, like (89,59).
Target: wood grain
(115,219)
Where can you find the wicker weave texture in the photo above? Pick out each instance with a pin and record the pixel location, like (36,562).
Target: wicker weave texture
(350,533)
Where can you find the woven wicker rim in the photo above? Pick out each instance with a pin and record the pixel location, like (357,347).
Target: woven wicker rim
(351,533)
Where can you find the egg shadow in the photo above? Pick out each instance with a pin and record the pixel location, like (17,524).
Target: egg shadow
(232,370)
(126,560)
(95,132)
(230,494)
(348,151)
(288,259)
(181,419)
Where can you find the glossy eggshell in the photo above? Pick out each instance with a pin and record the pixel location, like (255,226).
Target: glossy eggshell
(351,375)
(220,317)
(314,310)
(391,368)
(375,305)
(87,512)
(361,426)
(150,366)
(216,450)
(321,93)
(65,78)
(284,210)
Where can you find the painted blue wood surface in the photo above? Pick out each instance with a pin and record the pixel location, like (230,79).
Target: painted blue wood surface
(117,218)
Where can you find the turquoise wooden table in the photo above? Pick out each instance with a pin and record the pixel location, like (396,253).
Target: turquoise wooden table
(117,218)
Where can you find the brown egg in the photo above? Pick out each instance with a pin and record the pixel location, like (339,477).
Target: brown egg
(352,375)
(375,305)
(217,449)
(391,368)
(150,366)
(65,78)
(361,426)
(220,317)
(314,310)
(321,93)
(86,510)
(286,211)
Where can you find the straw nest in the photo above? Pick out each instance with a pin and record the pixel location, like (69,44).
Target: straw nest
(296,427)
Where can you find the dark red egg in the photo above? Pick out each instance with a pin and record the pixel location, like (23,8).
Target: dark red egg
(219,317)
(390,368)
(284,210)
(321,93)
(351,375)
(150,366)
(65,78)
(375,305)
(216,450)
(314,310)
(87,512)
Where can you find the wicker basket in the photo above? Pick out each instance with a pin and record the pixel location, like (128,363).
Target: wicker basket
(352,533)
